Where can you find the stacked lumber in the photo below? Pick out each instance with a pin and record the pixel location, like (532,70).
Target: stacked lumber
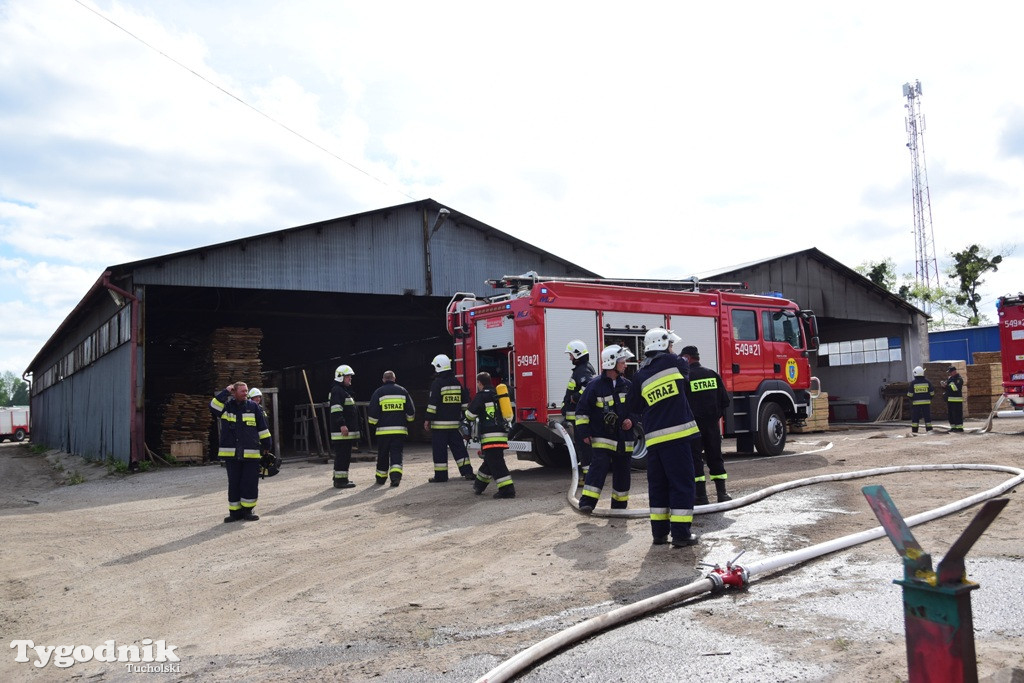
(819,416)
(986,386)
(936,373)
(987,357)
(235,356)
(186,417)
(895,393)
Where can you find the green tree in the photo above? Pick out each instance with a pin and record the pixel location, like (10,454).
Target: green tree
(13,391)
(968,267)
(882,273)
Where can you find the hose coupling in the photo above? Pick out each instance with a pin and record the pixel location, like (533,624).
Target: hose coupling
(733,575)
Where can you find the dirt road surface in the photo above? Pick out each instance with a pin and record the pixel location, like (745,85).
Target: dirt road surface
(428,582)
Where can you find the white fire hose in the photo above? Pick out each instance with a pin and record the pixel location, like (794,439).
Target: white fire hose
(530,656)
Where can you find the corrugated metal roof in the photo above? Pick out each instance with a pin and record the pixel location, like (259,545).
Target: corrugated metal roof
(381,252)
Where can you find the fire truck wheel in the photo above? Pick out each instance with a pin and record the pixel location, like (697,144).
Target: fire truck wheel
(639,459)
(771,430)
(19,435)
(550,455)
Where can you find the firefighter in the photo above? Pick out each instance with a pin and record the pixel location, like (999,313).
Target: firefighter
(953,390)
(244,438)
(582,373)
(706,394)
(344,424)
(920,394)
(604,424)
(493,434)
(391,410)
(447,403)
(658,396)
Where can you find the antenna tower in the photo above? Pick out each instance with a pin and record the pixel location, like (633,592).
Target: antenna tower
(927,268)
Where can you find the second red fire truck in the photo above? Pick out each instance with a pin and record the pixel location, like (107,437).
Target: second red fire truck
(759,344)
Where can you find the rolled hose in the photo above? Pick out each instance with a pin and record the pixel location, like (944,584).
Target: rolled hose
(535,653)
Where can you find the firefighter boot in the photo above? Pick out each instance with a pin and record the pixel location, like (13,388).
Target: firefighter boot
(702,494)
(508,491)
(720,490)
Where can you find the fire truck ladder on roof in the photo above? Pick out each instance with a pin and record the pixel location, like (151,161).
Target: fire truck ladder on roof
(691,284)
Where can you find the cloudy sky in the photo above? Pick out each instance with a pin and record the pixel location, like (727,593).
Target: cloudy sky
(714,133)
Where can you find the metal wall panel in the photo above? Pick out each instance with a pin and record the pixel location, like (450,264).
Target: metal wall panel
(963,343)
(88,413)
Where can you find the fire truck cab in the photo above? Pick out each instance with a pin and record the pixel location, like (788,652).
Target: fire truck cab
(1011,344)
(758,344)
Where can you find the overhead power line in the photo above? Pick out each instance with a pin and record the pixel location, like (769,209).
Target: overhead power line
(243,102)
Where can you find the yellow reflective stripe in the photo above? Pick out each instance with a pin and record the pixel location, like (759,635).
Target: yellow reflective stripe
(444,424)
(350,401)
(229,417)
(955,399)
(264,434)
(226,453)
(582,420)
(335,408)
(216,405)
(250,454)
(659,516)
(591,492)
(719,476)
(922,403)
(686,518)
(621,496)
(670,433)
(388,431)
(600,442)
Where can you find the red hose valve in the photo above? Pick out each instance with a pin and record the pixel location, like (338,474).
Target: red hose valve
(733,575)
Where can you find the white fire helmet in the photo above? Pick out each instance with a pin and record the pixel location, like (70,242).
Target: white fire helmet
(441,362)
(613,354)
(576,348)
(918,371)
(656,340)
(343,371)
(254,392)
(673,339)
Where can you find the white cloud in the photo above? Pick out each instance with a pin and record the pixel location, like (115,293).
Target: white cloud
(655,140)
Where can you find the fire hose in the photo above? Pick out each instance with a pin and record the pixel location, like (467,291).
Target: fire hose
(734,574)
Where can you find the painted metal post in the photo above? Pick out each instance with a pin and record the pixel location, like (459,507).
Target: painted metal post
(936,604)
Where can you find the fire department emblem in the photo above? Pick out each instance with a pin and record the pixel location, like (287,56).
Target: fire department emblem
(792,372)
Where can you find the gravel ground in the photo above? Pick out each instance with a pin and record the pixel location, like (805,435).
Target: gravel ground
(428,582)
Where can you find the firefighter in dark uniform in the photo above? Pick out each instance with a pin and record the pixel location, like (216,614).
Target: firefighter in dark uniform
(582,373)
(445,408)
(391,410)
(493,434)
(602,421)
(244,438)
(658,395)
(953,390)
(705,391)
(344,424)
(920,394)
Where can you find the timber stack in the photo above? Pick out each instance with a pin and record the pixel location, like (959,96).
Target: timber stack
(819,416)
(985,378)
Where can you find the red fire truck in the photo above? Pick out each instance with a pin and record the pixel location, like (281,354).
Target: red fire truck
(1011,343)
(759,344)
